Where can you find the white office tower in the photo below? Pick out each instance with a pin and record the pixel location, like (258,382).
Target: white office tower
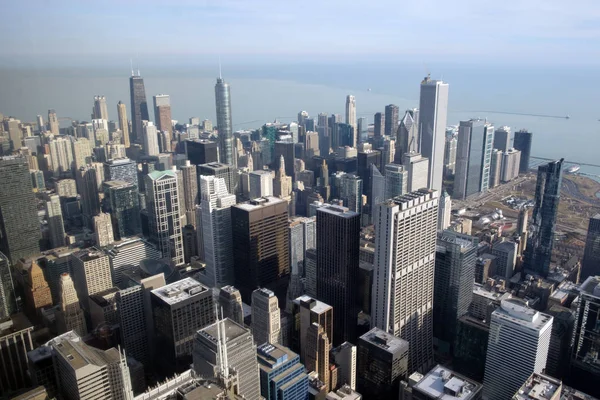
(511,160)
(396,180)
(215,211)
(402,295)
(351,115)
(445,212)
(91,274)
(261,184)
(70,315)
(61,156)
(150,139)
(266,320)
(103,230)
(162,197)
(517,347)
(433,114)
(417,168)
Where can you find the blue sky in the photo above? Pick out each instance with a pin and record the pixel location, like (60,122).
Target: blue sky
(545,32)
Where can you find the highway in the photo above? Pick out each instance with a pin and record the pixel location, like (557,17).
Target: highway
(570,189)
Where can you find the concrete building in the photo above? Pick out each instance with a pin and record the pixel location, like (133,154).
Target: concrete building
(190,191)
(87,179)
(519,337)
(28,275)
(506,258)
(91,274)
(103,308)
(15,342)
(406,225)
(100,110)
(82,152)
(317,351)
(150,137)
(495,168)
(266,320)
(417,168)
(127,254)
(53,124)
(502,138)
(230,301)
(445,211)
(396,180)
(163,205)
(473,158)
(344,357)
(103,230)
(179,310)
(121,169)
(382,364)
(351,115)
(511,160)
(282,375)
(162,113)
(220,170)
(441,383)
(522,142)
(55,222)
(70,315)
(450,156)
(123,124)
(590,265)
(261,184)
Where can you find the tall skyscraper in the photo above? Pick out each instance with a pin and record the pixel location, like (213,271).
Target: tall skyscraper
(496,168)
(511,160)
(433,114)
(70,315)
(139,106)
(473,158)
(150,139)
(338,240)
(190,191)
(162,112)
(450,156)
(445,211)
(215,210)
(19,226)
(7,291)
(87,187)
(282,375)
(123,124)
(306,311)
(547,197)
(344,357)
(391,120)
(82,152)
(282,184)
(379,121)
(121,169)
(224,124)
(350,192)
(396,181)
(453,285)
(92,274)
(53,124)
(417,168)
(266,320)
(502,138)
(316,358)
(351,115)
(103,230)
(201,151)
(406,225)
(522,142)
(590,265)
(230,301)
(61,156)
(361,130)
(261,184)
(261,246)
(100,110)
(121,200)
(220,170)
(55,222)
(162,197)
(518,346)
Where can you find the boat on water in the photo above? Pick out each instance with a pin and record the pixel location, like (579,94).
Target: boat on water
(573,168)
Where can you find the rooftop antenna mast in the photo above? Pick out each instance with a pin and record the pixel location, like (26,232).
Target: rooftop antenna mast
(131,62)
(220,76)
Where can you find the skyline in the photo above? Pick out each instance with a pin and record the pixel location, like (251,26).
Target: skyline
(549,32)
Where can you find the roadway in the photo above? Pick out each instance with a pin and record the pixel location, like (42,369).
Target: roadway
(570,189)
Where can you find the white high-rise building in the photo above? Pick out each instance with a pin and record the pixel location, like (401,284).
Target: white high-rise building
(70,315)
(215,225)
(396,180)
(517,347)
(402,294)
(61,156)
(150,139)
(162,198)
(261,184)
(345,358)
(82,152)
(417,168)
(266,319)
(103,230)
(433,115)
(510,164)
(351,116)
(445,214)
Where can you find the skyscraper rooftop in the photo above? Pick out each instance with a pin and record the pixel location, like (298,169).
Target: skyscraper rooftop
(179,291)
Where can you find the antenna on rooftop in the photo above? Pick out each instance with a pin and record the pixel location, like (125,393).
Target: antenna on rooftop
(220,76)
(131,62)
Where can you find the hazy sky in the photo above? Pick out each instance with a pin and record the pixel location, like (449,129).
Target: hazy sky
(495,31)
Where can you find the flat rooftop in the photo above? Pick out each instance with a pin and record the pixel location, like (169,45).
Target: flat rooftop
(385,341)
(270,356)
(444,384)
(517,311)
(318,306)
(337,210)
(180,290)
(591,286)
(488,293)
(90,254)
(232,331)
(538,387)
(259,203)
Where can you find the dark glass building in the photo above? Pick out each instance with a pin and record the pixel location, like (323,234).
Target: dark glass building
(261,247)
(121,169)
(391,120)
(338,242)
(522,143)
(541,239)
(121,200)
(19,226)
(201,151)
(224,124)
(344,134)
(590,266)
(287,150)
(379,124)
(455,258)
(365,159)
(139,106)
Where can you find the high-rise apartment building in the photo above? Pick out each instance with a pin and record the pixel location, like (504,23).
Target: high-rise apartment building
(518,346)
(61,156)
(382,364)
(506,258)
(379,124)
(230,301)
(473,158)
(261,246)
(121,200)
(219,170)
(338,240)
(179,310)
(100,110)
(82,152)
(91,274)
(87,186)
(261,184)
(316,355)
(433,114)
(351,116)
(266,320)
(139,107)
(150,139)
(70,315)
(282,375)
(522,142)
(215,226)
(53,124)
(502,138)
(445,211)
(121,169)
(18,210)
(417,169)
(103,230)
(56,226)
(496,168)
(547,197)
(224,124)
(306,311)
(391,120)
(402,294)
(162,197)
(590,265)
(344,357)
(453,285)
(162,113)
(123,124)
(511,160)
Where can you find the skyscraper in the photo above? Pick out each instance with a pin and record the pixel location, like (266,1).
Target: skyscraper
(121,169)
(417,168)
(61,156)
(522,142)
(433,113)
(450,156)
(230,301)
(282,375)
(391,120)
(316,358)
(473,158)
(396,181)
(338,239)
(590,265)
(53,124)
(453,285)
(266,321)
(215,210)
(224,124)
(502,138)
(162,113)
(445,211)
(139,106)
(100,110)
(344,357)
(190,191)
(379,127)
(7,290)
(121,200)
(19,226)
(261,184)
(511,160)
(496,168)
(547,197)
(406,225)
(70,315)
(518,346)
(306,311)
(103,230)
(351,115)
(201,151)
(282,184)
(150,139)
(92,274)
(55,222)
(87,187)
(162,197)
(261,246)
(123,124)
(220,170)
